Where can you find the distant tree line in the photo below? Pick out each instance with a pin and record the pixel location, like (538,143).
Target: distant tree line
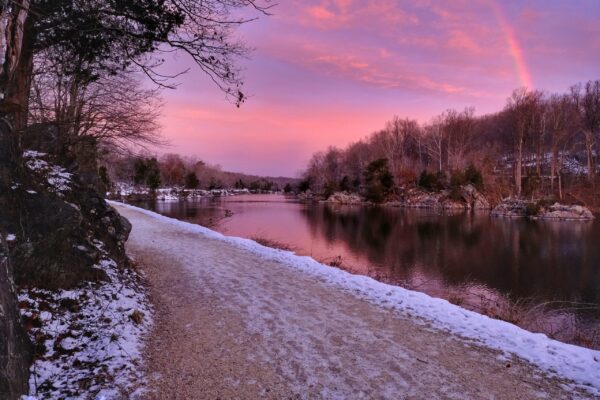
(174,171)
(540,144)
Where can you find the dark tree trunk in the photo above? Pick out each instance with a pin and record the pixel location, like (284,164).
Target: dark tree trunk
(19,86)
(14,345)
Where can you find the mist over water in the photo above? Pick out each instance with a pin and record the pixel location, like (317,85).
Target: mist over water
(542,275)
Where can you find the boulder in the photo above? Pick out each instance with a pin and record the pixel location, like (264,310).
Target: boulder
(511,208)
(565,212)
(345,198)
(538,210)
(474,199)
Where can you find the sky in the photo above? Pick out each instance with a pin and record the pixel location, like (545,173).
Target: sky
(330,72)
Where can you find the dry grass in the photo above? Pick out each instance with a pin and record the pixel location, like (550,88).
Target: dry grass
(274,244)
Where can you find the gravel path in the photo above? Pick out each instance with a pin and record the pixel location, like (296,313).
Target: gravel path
(230,325)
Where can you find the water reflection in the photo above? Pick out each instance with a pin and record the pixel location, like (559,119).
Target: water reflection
(551,260)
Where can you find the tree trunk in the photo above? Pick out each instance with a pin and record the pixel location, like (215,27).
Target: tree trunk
(553,166)
(15,76)
(589,147)
(14,345)
(19,86)
(519,167)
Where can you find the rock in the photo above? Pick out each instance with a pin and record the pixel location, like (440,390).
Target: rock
(416,198)
(565,212)
(306,196)
(537,210)
(474,199)
(511,208)
(345,198)
(57,223)
(137,316)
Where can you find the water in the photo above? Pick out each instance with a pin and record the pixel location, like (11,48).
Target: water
(541,275)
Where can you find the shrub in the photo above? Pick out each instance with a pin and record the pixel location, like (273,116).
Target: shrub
(457,179)
(152,174)
(345,185)
(473,176)
(287,188)
(430,181)
(304,185)
(379,180)
(532,208)
(191,180)
(329,188)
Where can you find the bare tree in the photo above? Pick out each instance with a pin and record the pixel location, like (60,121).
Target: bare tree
(521,107)
(435,141)
(588,104)
(459,128)
(117,110)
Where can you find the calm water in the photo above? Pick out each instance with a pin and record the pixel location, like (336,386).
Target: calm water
(544,276)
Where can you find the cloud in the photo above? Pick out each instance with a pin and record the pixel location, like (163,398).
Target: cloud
(336,14)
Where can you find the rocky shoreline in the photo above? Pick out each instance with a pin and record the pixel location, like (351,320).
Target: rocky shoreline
(518,208)
(467,198)
(132,194)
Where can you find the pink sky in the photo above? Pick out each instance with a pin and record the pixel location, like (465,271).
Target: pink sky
(329,72)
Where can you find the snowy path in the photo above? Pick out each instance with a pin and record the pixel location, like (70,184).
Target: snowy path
(232,324)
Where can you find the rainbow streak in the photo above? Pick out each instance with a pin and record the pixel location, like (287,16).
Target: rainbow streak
(513,45)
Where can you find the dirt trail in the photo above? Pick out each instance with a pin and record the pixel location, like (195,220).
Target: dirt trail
(232,325)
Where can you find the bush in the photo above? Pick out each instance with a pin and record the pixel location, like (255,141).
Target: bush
(345,185)
(474,177)
(457,179)
(431,182)
(191,180)
(379,180)
(304,185)
(329,188)
(287,188)
(532,208)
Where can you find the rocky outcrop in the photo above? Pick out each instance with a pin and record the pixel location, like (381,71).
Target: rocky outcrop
(474,199)
(344,198)
(565,212)
(49,201)
(466,198)
(511,208)
(431,200)
(519,208)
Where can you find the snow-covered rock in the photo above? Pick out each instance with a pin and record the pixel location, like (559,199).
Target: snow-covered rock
(519,208)
(566,212)
(511,208)
(345,198)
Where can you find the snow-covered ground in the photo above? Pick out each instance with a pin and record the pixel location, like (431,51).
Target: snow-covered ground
(580,365)
(88,340)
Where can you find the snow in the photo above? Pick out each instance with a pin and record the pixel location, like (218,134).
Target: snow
(578,364)
(58,179)
(88,345)
(175,193)
(10,237)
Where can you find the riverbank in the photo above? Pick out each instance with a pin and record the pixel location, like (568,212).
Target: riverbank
(129,193)
(272,324)
(467,198)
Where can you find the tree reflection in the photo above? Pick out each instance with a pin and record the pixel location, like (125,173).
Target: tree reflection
(549,260)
